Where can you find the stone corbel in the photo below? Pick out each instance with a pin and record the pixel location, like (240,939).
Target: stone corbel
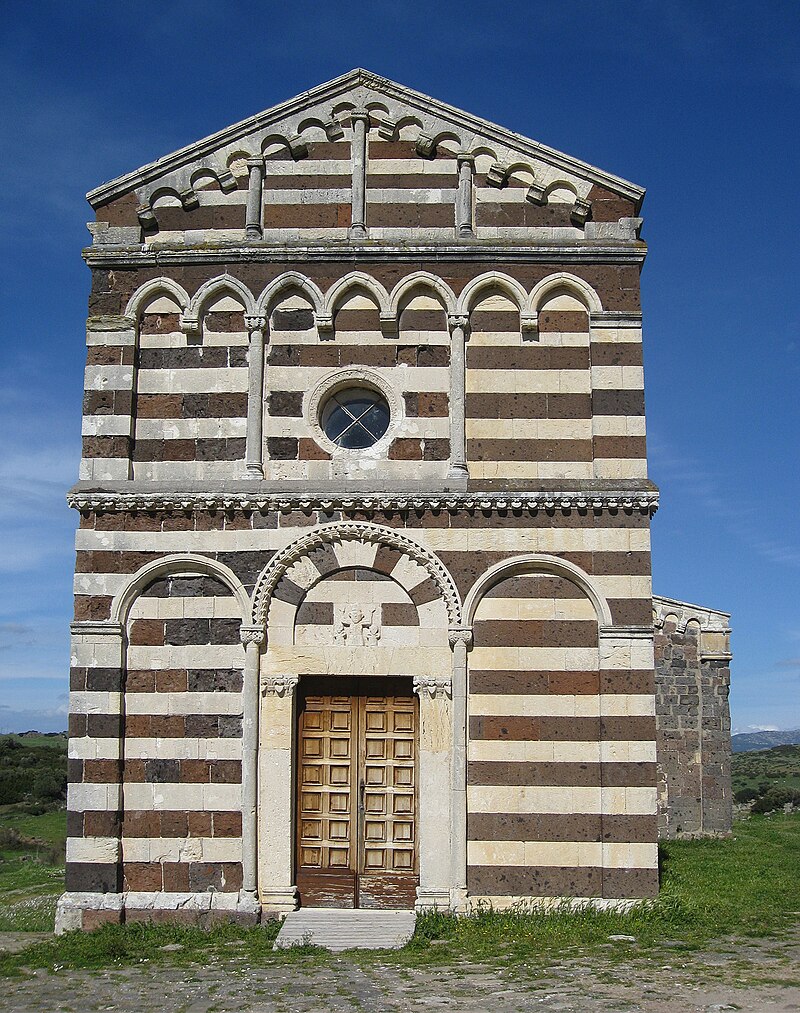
(333,130)
(425,145)
(189,200)
(324,323)
(146,216)
(189,325)
(581,210)
(298,147)
(433,685)
(389,325)
(227,181)
(529,323)
(279,685)
(536,194)
(387,129)
(497,175)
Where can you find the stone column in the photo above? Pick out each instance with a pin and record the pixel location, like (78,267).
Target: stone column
(277,890)
(253,228)
(254,464)
(460,640)
(252,638)
(434,835)
(458,375)
(464,225)
(360,125)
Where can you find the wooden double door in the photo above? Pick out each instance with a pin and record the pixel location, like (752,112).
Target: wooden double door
(357,793)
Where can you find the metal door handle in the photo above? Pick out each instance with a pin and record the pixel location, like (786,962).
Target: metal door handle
(361,789)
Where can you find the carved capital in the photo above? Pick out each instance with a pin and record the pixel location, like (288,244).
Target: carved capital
(359,115)
(255,162)
(465,158)
(433,685)
(251,634)
(457,320)
(279,685)
(255,322)
(460,635)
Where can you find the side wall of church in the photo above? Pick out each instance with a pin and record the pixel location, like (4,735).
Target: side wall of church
(693,722)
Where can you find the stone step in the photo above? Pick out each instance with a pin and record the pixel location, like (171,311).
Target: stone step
(337,929)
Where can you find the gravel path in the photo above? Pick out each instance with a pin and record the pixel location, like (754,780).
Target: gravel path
(760,975)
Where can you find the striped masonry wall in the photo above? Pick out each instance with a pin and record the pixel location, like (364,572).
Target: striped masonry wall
(174,747)
(561,772)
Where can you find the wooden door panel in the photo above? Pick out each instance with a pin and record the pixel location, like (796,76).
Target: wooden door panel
(325,873)
(357,796)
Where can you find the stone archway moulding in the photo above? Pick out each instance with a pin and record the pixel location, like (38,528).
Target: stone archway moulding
(350,531)
(325,304)
(187,564)
(536,563)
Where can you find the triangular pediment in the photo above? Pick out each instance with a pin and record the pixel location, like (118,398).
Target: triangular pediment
(323,115)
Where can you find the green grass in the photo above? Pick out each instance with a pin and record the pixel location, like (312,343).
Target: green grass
(31,869)
(746,886)
(759,771)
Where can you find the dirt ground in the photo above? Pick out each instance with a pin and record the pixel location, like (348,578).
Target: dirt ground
(731,975)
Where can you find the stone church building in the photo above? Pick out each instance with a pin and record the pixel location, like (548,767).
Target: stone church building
(363,606)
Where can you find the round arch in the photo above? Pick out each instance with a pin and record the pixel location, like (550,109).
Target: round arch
(356,279)
(223,284)
(287,281)
(345,531)
(575,285)
(187,564)
(419,281)
(536,562)
(155,287)
(492,280)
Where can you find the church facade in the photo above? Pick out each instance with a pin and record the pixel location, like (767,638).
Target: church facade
(363,605)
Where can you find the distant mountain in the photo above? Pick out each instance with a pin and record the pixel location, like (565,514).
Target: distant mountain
(746,742)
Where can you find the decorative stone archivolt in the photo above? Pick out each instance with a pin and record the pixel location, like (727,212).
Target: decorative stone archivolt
(537,563)
(186,564)
(224,284)
(146,293)
(433,685)
(330,534)
(564,280)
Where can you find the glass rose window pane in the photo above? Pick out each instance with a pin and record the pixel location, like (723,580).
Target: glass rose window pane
(355,418)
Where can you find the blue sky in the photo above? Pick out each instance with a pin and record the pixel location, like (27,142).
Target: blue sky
(697,101)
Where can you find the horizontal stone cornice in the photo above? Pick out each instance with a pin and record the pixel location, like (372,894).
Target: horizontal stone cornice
(586,497)
(368,252)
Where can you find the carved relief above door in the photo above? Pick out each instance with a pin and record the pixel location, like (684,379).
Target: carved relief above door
(357,793)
